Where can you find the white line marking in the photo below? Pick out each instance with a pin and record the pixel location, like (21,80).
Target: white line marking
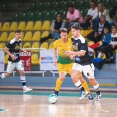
(105,111)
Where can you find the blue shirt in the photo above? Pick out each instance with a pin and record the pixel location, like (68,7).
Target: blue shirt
(107,38)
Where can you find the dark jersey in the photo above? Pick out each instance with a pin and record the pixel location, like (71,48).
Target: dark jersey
(14,48)
(81,45)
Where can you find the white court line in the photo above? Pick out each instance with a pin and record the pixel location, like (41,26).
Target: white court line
(105,111)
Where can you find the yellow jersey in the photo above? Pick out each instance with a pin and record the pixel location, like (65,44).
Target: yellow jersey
(62,47)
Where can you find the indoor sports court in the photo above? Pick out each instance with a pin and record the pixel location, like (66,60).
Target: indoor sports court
(33,27)
(35,104)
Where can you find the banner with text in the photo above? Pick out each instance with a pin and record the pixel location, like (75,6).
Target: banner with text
(26,60)
(1,61)
(46,60)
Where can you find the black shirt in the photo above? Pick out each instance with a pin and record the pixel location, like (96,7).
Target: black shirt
(81,45)
(14,48)
(58,25)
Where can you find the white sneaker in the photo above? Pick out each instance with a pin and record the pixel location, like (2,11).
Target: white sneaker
(83,94)
(27,90)
(98,97)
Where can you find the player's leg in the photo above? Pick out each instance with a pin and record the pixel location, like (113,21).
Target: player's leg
(78,79)
(89,73)
(84,83)
(59,82)
(10,68)
(20,68)
(85,86)
(62,74)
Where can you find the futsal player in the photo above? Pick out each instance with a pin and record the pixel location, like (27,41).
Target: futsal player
(64,64)
(13,49)
(82,59)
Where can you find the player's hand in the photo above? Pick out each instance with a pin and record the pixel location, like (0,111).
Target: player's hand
(68,53)
(13,56)
(55,62)
(72,57)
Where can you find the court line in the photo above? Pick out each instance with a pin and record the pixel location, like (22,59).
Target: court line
(105,95)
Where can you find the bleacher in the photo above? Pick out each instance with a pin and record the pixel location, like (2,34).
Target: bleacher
(34,19)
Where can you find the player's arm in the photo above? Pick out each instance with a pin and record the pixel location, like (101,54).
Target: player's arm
(22,50)
(55,56)
(78,53)
(6,50)
(81,52)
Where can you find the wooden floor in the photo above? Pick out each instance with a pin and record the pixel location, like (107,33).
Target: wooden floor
(28,105)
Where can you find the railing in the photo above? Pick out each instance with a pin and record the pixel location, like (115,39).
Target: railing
(42,72)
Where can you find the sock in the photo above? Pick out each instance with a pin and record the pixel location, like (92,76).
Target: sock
(3,76)
(85,85)
(58,85)
(96,87)
(56,92)
(79,85)
(23,81)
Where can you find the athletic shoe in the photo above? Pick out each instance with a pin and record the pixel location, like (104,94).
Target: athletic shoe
(98,97)
(27,90)
(90,96)
(83,94)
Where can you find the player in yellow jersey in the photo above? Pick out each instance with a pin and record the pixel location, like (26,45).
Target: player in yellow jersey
(64,64)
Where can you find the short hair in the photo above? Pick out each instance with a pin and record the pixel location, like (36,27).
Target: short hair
(76,26)
(70,5)
(114,28)
(93,1)
(18,31)
(63,30)
(107,28)
(58,14)
(103,16)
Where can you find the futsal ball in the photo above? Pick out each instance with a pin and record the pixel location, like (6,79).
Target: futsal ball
(52,98)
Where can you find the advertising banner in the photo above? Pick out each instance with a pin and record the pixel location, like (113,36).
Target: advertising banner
(46,60)
(26,60)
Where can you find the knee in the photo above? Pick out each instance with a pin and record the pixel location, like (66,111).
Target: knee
(73,76)
(7,74)
(62,77)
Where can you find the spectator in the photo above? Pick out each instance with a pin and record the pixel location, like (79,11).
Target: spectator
(115,19)
(91,15)
(103,11)
(73,16)
(105,42)
(113,11)
(56,25)
(109,50)
(97,34)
